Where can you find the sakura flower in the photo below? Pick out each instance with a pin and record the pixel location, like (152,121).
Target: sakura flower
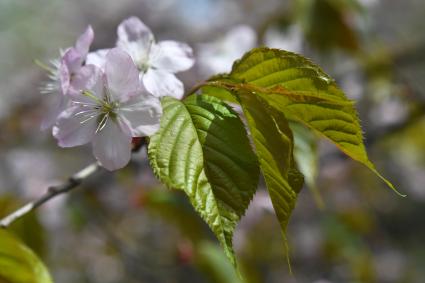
(109,112)
(218,56)
(57,101)
(61,73)
(73,60)
(157,62)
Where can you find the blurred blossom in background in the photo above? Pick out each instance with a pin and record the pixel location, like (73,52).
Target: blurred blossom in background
(125,227)
(218,56)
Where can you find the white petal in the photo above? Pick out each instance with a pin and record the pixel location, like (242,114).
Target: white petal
(143,113)
(162,83)
(97,58)
(56,105)
(72,59)
(134,30)
(90,79)
(84,41)
(72,129)
(172,56)
(121,74)
(112,145)
(87,78)
(64,77)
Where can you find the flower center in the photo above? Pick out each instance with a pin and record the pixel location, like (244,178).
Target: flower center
(143,66)
(109,108)
(102,109)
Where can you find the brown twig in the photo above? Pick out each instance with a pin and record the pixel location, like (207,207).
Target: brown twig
(51,192)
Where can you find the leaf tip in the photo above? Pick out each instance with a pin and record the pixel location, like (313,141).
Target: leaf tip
(389,184)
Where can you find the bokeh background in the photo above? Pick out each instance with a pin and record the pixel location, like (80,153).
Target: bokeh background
(126,227)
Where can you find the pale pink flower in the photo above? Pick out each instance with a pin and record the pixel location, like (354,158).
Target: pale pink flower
(157,62)
(73,59)
(110,110)
(62,73)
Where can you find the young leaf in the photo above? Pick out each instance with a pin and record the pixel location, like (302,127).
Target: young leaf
(274,148)
(18,264)
(304,93)
(202,148)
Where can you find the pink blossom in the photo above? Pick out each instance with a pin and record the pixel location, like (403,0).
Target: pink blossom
(157,62)
(111,109)
(62,75)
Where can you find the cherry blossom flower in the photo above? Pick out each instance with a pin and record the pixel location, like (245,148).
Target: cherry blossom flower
(61,73)
(73,59)
(109,112)
(57,101)
(157,62)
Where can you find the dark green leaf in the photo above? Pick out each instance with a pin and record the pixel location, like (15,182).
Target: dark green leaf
(274,148)
(202,148)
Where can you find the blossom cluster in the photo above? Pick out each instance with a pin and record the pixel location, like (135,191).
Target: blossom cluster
(109,96)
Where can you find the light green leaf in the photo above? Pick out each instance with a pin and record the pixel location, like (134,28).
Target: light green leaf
(202,148)
(28,228)
(274,148)
(304,93)
(219,92)
(18,264)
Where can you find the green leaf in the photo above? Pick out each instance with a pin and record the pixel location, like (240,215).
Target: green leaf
(202,148)
(219,92)
(274,148)
(18,264)
(28,228)
(304,93)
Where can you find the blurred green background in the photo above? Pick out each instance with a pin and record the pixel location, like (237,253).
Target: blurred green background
(125,227)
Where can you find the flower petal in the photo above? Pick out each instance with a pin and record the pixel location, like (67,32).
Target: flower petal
(135,38)
(73,129)
(162,83)
(172,56)
(87,78)
(73,60)
(84,41)
(57,104)
(64,77)
(121,74)
(143,113)
(97,58)
(112,145)
(133,29)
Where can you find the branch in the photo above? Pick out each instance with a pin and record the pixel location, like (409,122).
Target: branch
(73,182)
